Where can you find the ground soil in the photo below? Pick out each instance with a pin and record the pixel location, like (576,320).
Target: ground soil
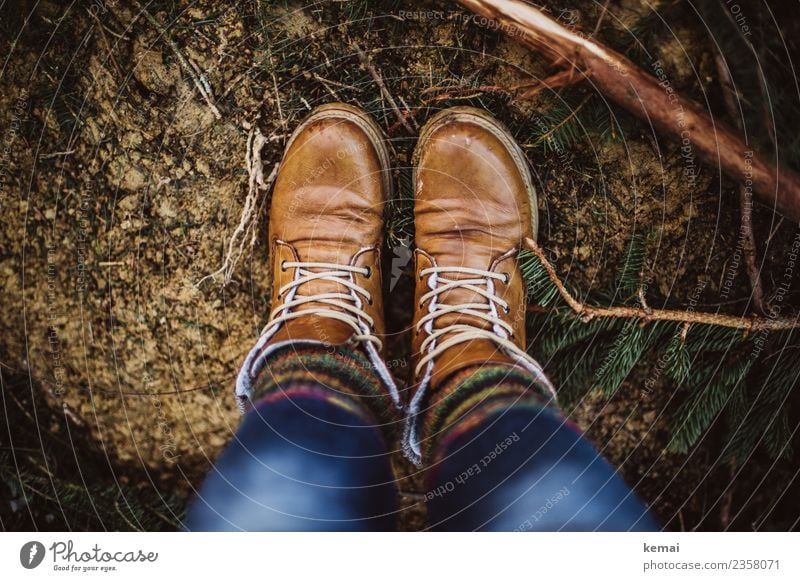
(121,189)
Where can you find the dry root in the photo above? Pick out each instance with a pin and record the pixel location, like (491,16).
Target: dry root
(248,222)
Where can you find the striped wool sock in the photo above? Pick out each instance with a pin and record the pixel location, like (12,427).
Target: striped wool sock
(472,395)
(343,376)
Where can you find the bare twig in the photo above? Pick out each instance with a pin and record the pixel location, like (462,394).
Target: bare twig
(57,154)
(200,82)
(382,87)
(587,312)
(408,110)
(463,92)
(643,300)
(459,92)
(685,331)
(519,91)
(328,87)
(333,83)
(410,113)
(600,18)
(108,45)
(281,116)
(773,232)
(565,120)
(746,234)
(559,80)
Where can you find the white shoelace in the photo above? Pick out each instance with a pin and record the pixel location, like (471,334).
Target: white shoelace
(348,307)
(481,282)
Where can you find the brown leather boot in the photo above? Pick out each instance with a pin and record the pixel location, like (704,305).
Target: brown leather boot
(474,203)
(326,233)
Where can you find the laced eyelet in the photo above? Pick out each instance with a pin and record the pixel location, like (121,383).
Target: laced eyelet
(507,278)
(354,312)
(506,309)
(369,272)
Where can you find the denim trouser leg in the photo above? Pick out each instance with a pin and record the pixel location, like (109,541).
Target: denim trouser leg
(525,468)
(305,462)
(300,463)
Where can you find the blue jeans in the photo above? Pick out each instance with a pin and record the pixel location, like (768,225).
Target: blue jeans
(307,464)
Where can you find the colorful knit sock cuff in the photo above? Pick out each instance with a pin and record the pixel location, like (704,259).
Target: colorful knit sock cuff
(310,389)
(471,395)
(344,372)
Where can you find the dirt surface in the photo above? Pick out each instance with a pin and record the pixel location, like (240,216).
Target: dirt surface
(121,188)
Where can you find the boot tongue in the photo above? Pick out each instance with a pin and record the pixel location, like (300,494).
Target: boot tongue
(313,328)
(480,259)
(478,351)
(469,353)
(322,286)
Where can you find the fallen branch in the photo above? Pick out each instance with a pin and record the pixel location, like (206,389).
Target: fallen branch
(621,81)
(586,312)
